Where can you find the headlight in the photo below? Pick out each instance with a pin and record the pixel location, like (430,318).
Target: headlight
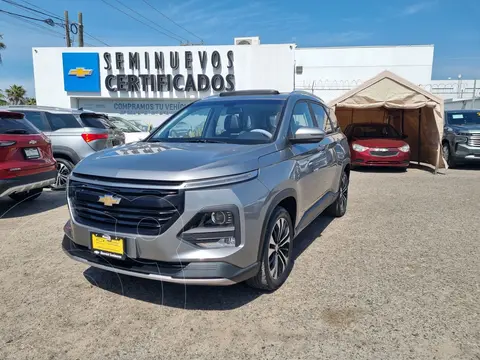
(359,148)
(404,148)
(220,181)
(213,229)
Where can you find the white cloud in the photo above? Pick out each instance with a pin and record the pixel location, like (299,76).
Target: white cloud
(416,8)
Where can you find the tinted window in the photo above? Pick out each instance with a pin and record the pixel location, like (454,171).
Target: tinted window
(123,124)
(321,117)
(252,121)
(62,121)
(301,117)
(374,131)
(16,126)
(95,122)
(464,118)
(37,119)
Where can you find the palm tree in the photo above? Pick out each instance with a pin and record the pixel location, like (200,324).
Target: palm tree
(16,94)
(30,101)
(2,46)
(2,98)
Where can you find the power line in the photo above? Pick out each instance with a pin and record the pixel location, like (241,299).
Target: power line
(94,38)
(47,21)
(57,17)
(47,31)
(154,23)
(30,9)
(165,16)
(38,7)
(142,22)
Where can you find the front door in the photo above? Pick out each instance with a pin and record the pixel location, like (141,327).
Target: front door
(310,160)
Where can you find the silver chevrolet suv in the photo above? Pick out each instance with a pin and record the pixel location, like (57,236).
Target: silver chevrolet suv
(74,134)
(215,195)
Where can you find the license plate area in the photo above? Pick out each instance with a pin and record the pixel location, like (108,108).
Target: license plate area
(106,245)
(31,153)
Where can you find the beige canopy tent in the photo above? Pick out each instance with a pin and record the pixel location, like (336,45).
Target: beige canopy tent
(388,98)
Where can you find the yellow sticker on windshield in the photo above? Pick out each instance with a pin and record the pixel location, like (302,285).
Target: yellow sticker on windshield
(478,113)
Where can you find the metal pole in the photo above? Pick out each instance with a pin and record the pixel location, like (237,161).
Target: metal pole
(80,29)
(67,30)
(474,93)
(403,121)
(419,134)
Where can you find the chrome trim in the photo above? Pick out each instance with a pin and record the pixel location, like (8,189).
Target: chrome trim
(217,282)
(27,187)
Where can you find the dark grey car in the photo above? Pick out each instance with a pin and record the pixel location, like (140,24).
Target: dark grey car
(219,204)
(74,134)
(461,137)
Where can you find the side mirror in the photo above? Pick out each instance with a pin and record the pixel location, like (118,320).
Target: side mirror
(307,135)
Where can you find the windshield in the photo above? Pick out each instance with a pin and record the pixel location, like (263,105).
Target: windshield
(229,121)
(16,126)
(95,121)
(374,131)
(464,118)
(123,124)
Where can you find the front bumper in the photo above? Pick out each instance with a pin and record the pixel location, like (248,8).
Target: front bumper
(466,152)
(193,273)
(26,183)
(365,158)
(167,251)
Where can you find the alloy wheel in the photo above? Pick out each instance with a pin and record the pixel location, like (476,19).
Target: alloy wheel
(446,151)
(62,175)
(279,248)
(344,192)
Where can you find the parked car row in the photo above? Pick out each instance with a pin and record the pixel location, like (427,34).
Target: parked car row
(71,135)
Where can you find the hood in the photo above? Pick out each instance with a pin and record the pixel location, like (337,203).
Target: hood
(173,161)
(471,129)
(380,143)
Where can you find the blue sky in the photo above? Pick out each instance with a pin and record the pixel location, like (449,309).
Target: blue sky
(452,26)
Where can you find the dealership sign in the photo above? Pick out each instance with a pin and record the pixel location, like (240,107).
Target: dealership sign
(149,71)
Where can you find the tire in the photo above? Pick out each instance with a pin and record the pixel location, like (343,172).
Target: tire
(64,168)
(271,277)
(26,195)
(339,207)
(448,155)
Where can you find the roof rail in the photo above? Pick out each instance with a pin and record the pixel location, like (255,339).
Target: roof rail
(249,92)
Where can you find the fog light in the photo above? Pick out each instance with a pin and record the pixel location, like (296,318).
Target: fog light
(218,243)
(221,218)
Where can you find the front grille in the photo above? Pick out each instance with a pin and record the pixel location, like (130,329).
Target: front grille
(384,153)
(474,140)
(141,211)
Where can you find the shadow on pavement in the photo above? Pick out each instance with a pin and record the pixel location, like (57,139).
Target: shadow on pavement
(49,200)
(194,297)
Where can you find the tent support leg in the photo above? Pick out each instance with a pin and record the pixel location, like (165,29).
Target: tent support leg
(403,121)
(419,134)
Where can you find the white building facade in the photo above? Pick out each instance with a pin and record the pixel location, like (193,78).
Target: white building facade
(150,83)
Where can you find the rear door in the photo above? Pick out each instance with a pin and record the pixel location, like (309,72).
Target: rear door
(24,150)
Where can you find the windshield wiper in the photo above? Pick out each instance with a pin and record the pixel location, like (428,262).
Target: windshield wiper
(212,141)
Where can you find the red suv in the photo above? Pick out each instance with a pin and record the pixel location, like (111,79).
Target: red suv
(26,159)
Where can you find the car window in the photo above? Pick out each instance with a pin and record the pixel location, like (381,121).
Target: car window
(62,121)
(16,126)
(37,119)
(94,122)
(333,118)
(301,117)
(238,121)
(191,125)
(323,121)
(123,125)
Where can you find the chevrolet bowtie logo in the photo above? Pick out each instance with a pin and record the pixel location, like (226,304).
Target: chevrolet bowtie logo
(80,72)
(109,200)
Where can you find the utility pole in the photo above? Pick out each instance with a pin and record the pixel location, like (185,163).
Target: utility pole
(80,29)
(67,30)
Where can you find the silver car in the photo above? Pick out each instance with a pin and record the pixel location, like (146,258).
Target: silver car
(219,204)
(74,134)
